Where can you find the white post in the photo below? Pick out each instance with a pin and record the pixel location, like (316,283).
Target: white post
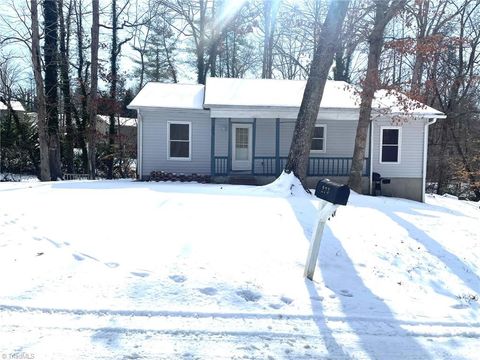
(326,210)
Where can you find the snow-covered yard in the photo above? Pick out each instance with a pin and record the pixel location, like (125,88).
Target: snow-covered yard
(133,270)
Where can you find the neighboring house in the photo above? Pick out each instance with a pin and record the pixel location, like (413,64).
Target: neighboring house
(240,127)
(16,106)
(125,128)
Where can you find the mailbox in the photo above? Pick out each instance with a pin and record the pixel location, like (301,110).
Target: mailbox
(332,192)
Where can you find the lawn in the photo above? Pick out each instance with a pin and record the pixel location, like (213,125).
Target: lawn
(122,269)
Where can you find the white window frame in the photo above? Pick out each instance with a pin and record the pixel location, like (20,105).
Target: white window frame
(189,123)
(399,157)
(324,140)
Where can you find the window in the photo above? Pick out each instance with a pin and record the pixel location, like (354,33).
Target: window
(390,144)
(179,146)
(318,140)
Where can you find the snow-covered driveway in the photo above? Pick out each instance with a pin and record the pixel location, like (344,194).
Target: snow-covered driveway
(149,270)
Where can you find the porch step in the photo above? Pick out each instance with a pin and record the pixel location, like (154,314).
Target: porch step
(242,180)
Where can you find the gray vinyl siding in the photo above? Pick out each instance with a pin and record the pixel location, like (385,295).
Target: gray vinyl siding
(286,134)
(340,137)
(155,142)
(411,155)
(221,137)
(265,137)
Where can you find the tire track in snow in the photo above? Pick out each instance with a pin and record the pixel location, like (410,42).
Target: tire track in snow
(122,334)
(170,322)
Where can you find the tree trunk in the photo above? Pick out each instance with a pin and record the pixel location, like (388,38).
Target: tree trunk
(322,60)
(369,87)
(51,86)
(270,10)
(113,92)
(383,14)
(201,67)
(40,103)
(82,116)
(65,86)
(92,105)
(417,71)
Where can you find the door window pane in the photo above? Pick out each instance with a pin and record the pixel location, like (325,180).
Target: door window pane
(241,143)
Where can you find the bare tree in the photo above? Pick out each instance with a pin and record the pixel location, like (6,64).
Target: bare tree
(298,156)
(92,104)
(199,21)
(457,92)
(51,85)
(40,101)
(64,23)
(384,12)
(270,11)
(82,71)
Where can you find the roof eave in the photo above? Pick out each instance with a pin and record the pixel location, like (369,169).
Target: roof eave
(138,107)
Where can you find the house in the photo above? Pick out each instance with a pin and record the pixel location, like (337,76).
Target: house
(15,105)
(125,130)
(240,127)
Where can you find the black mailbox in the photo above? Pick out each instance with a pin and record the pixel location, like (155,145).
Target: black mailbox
(332,192)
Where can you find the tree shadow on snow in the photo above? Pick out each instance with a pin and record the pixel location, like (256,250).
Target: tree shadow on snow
(394,344)
(107,337)
(450,260)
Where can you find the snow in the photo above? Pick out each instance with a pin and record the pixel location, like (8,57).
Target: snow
(274,93)
(124,121)
(16,106)
(289,93)
(270,93)
(122,269)
(178,96)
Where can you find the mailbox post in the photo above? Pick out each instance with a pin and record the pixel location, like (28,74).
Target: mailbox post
(331,195)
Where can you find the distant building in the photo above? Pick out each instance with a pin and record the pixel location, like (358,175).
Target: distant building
(16,106)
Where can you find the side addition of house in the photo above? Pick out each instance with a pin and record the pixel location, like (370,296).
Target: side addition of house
(240,128)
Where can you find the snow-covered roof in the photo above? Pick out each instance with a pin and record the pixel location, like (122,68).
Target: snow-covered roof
(270,93)
(16,106)
(289,93)
(178,96)
(124,121)
(273,93)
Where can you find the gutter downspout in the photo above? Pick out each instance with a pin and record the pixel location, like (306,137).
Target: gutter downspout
(370,186)
(425,151)
(140,145)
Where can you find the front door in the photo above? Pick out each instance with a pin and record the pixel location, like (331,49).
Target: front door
(242,147)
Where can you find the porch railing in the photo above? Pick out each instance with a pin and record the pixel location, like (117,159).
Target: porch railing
(220,166)
(271,166)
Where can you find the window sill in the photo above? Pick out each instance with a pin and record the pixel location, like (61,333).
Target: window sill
(179,159)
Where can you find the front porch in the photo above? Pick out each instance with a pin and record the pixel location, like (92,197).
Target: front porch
(263,150)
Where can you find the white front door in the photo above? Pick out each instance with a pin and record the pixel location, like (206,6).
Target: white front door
(241,146)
